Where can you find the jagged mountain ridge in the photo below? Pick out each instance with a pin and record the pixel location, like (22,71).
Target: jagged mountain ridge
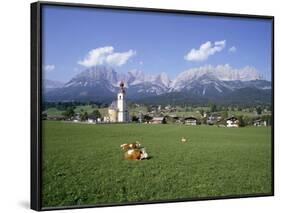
(101,83)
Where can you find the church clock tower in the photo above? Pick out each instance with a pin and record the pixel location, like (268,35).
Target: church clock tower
(121,105)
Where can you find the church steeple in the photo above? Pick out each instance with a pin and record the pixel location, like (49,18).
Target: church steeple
(122,90)
(121,104)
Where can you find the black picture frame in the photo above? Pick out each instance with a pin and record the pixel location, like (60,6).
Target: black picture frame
(36,98)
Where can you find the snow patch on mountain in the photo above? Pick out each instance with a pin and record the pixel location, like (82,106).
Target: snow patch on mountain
(219,72)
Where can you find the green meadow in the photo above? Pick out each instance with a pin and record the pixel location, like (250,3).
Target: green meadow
(82,163)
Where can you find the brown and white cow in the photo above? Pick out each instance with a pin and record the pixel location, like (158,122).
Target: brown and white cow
(135,154)
(127,146)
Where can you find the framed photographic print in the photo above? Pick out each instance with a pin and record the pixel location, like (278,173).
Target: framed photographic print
(139,105)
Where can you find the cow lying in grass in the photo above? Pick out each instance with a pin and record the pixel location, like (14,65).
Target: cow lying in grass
(135,154)
(133,151)
(127,146)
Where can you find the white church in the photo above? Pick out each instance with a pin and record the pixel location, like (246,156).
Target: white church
(118,110)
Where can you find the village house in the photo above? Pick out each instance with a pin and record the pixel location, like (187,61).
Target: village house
(232,122)
(259,122)
(158,120)
(214,118)
(190,121)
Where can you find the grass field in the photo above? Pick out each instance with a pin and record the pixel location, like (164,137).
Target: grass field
(82,163)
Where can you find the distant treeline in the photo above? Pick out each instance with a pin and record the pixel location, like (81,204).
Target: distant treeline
(187,106)
(65,105)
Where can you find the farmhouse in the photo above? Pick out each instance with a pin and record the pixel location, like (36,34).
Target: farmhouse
(232,122)
(259,122)
(190,121)
(214,118)
(158,120)
(118,110)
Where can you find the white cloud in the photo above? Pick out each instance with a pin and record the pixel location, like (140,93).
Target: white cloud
(205,50)
(106,55)
(49,67)
(96,56)
(120,58)
(232,49)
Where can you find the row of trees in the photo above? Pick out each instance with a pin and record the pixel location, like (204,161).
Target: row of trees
(215,108)
(63,106)
(69,113)
(258,109)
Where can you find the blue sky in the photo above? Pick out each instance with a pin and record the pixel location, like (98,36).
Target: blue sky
(76,38)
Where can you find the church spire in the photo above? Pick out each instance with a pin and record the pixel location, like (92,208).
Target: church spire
(122,87)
